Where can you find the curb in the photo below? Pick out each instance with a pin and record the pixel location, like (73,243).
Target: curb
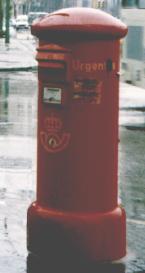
(16,69)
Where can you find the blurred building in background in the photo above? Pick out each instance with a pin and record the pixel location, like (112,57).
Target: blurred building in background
(76,3)
(26,6)
(133,47)
(133,3)
(111,6)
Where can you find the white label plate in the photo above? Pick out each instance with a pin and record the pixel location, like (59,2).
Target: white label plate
(52,95)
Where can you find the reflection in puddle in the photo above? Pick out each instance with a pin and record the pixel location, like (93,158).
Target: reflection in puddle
(37,265)
(18,103)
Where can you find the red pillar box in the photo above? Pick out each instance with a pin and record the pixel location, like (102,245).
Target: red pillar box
(77,211)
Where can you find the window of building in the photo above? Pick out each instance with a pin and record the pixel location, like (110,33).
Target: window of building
(70,3)
(85,3)
(130,3)
(135,43)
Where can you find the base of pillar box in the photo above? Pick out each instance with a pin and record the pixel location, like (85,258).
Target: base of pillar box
(61,235)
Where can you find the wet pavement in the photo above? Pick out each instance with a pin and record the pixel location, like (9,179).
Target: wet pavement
(18,119)
(18,100)
(19,54)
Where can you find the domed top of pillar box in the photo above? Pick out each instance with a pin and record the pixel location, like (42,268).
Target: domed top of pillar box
(71,23)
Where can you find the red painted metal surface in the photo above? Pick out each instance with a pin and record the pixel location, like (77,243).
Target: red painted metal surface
(80,20)
(77,209)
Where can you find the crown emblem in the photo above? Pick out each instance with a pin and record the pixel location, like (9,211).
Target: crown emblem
(53,124)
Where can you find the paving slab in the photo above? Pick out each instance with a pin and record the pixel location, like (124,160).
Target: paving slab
(18,55)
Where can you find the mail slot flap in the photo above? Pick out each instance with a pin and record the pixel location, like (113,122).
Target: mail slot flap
(53,47)
(51,56)
(52,65)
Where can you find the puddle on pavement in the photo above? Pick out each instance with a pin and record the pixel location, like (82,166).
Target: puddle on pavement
(132,119)
(18,117)
(18,104)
